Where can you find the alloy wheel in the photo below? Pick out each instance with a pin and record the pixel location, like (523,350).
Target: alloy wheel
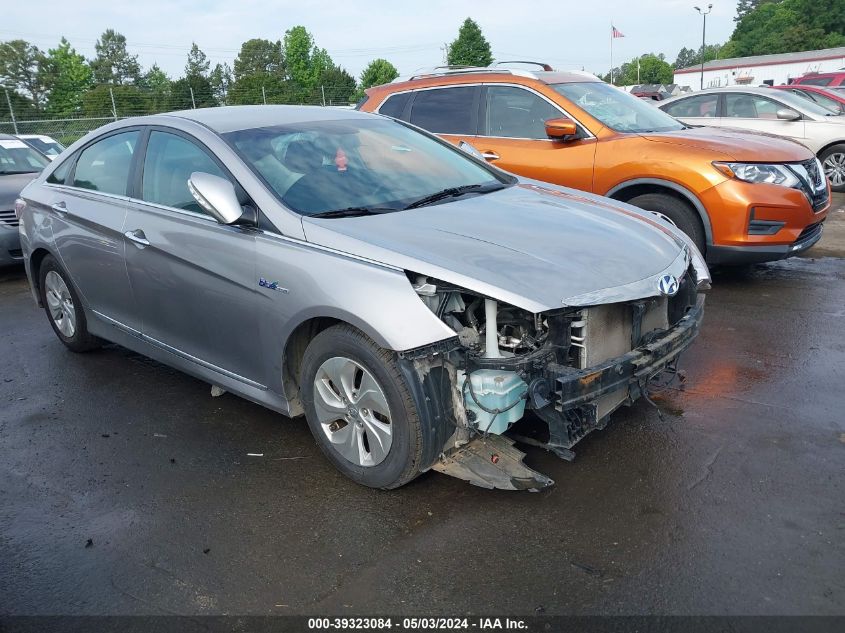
(60,304)
(353,412)
(834,168)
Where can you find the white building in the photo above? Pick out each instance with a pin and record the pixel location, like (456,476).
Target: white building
(761,69)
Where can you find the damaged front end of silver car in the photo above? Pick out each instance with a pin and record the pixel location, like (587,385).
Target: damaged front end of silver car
(569,367)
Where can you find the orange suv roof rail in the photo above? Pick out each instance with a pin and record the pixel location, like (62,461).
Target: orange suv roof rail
(441,71)
(543,65)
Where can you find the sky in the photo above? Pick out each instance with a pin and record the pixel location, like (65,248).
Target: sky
(411,34)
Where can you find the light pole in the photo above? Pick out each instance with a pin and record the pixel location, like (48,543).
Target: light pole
(703,34)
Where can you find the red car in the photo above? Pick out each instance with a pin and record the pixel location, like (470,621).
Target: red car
(832,99)
(821,79)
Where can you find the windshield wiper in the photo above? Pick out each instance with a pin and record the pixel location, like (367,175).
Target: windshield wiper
(351,212)
(454,192)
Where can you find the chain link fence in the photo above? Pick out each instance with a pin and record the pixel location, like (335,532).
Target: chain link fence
(104,104)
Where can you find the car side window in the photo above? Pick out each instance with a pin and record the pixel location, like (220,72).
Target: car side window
(444,110)
(747,106)
(517,113)
(104,166)
(59,174)
(702,106)
(394,105)
(169,162)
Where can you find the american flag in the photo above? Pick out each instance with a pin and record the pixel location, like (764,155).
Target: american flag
(616,32)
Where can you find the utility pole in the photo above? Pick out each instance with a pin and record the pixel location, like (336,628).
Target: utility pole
(193,102)
(263,95)
(11,111)
(323,91)
(703,36)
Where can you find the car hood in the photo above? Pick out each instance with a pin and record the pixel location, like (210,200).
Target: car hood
(532,246)
(10,188)
(736,144)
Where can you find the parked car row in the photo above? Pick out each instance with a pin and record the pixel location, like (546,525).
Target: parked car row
(414,283)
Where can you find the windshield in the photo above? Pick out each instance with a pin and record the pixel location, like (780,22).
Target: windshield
(374,164)
(801,103)
(617,109)
(50,148)
(16,157)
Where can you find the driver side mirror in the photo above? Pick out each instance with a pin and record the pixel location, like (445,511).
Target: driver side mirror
(560,129)
(788,114)
(217,196)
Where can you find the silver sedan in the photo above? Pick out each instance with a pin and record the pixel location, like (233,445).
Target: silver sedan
(413,302)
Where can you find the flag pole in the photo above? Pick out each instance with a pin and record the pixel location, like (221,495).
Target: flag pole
(611,52)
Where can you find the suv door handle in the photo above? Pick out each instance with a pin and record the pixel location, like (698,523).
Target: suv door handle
(60,208)
(138,237)
(490,155)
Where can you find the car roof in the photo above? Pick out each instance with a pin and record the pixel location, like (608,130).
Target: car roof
(232,118)
(7,137)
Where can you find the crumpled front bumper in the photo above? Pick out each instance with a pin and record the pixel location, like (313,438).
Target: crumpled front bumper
(575,387)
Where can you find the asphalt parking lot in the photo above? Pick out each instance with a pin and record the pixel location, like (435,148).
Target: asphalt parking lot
(126,489)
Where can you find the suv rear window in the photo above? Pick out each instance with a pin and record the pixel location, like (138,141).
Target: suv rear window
(445,110)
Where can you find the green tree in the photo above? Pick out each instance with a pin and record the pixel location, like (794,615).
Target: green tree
(193,91)
(66,77)
(21,69)
(378,72)
(470,48)
(337,85)
(788,26)
(157,86)
(653,69)
(744,7)
(692,57)
(198,63)
(128,101)
(259,57)
(298,48)
(113,64)
(221,80)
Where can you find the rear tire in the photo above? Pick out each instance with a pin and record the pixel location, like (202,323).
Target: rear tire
(360,410)
(677,211)
(833,164)
(63,307)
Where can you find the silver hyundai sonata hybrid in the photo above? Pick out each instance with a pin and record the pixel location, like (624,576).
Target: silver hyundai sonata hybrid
(410,300)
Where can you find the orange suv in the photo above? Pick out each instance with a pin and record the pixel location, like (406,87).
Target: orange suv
(742,197)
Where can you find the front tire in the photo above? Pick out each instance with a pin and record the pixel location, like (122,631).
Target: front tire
(360,410)
(676,211)
(833,164)
(63,307)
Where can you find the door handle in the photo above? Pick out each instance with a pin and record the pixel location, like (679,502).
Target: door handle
(490,155)
(60,208)
(138,237)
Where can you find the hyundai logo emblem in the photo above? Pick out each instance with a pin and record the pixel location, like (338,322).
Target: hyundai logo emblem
(668,285)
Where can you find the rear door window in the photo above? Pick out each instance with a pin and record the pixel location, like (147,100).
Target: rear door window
(517,113)
(446,110)
(701,106)
(104,166)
